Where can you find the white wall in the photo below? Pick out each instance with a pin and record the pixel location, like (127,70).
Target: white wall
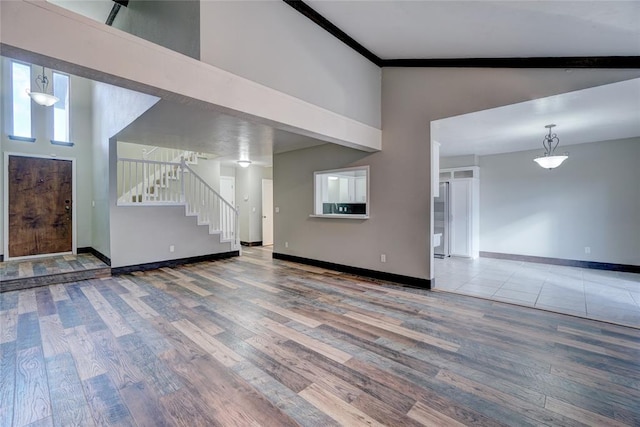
(209,171)
(113,109)
(458,161)
(70,44)
(591,200)
(271,43)
(249,202)
(81,136)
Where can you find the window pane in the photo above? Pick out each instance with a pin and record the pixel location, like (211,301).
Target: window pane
(61,108)
(21,82)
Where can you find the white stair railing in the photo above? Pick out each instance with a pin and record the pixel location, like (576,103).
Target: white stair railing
(148,181)
(156,183)
(210,208)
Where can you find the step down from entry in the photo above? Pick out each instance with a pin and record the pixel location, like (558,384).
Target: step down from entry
(24,274)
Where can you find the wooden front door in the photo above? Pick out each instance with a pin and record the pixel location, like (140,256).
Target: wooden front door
(40,206)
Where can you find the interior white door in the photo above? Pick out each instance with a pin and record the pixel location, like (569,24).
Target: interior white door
(228,189)
(267,212)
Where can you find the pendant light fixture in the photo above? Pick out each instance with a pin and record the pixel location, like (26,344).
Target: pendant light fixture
(244,163)
(41,97)
(549,160)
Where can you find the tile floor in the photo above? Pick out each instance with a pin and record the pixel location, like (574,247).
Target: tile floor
(595,294)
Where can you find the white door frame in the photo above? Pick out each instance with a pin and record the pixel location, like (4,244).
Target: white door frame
(233,182)
(267,212)
(74,221)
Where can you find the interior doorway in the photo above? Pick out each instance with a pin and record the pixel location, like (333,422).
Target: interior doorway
(39,206)
(267,212)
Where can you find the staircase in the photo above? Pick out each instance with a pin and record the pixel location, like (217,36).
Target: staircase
(172,182)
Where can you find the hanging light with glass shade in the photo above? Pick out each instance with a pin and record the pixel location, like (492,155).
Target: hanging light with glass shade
(550,160)
(41,96)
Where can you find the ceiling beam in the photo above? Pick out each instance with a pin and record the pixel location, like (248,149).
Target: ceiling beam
(530,62)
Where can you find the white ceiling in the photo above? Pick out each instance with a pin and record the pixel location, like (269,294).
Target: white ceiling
(174,125)
(396,29)
(600,113)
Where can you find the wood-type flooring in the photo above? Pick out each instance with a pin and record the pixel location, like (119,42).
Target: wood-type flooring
(252,341)
(30,273)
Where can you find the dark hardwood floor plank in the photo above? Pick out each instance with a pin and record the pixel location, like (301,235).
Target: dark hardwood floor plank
(580,415)
(89,318)
(52,335)
(27,331)
(7,381)
(215,348)
(114,321)
(9,323)
(27,301)
(186,410)
(85,354)
(58,292)
(44,301)
(276,370)
(68,402)
(118,365)
(153,370)
(229,397)
(32,402)
(283,397)
(68,314)
(144,406)
(106,404)
(9,300)
(272,346)
(336,408)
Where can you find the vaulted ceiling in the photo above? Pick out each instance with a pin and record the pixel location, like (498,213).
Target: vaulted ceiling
(433,29)
(488,29)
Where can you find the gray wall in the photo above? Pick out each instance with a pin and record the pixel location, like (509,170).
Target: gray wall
(174,24)
(113,109)
(591,200)
(271,43)
(400,224)
(81,136)
(209,171)
(141,235)
(249,202)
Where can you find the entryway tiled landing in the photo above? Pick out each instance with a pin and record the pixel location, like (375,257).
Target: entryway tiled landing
(609,296)
(23,274)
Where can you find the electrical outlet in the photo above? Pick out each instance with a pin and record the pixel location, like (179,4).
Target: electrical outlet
(286,244)
(587,249)
(172,248)
(277,209)
(383,257)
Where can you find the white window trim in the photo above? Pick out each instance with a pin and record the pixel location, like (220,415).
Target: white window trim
(9,103)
